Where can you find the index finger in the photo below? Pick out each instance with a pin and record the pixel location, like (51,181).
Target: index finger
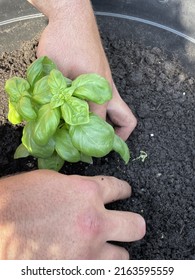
(112,188)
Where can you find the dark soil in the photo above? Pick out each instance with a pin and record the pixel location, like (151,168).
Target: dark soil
(162,96)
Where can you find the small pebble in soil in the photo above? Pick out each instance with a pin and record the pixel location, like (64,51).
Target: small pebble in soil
(143,110)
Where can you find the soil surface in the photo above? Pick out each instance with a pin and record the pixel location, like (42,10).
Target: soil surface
(162,96)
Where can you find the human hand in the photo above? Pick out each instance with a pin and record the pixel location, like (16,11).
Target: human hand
(47,215)
(72,41)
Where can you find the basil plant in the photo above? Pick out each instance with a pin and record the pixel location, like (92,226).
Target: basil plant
(58,125)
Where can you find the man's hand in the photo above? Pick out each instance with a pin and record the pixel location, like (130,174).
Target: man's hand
(47,215)
(72,40)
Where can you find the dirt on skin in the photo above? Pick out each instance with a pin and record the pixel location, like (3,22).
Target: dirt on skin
(162,97)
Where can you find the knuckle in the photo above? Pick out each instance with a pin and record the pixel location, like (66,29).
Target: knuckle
(90,224)
(133,122)
(89,187)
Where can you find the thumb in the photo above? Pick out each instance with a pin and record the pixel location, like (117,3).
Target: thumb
(120,115)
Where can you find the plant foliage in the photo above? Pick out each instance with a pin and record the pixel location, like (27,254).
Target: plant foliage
(58,125)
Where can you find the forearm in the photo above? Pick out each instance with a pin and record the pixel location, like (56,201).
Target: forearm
(76,16)
(57,8)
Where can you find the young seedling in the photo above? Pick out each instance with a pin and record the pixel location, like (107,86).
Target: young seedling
(58,125)
(143,156)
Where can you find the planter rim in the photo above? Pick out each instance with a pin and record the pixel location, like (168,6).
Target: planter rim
(109,14)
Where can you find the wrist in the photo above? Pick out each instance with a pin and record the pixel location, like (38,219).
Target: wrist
(58,8)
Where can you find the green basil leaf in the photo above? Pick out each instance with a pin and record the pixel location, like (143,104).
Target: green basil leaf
(25,109)
(64,146)
(46,124)
(75,111)
(16,87)
(56,102)
(32,147)
(13,115)
(57,82)
(86,159)
(54,162)
(121,147)
(58,85)
(39,68)
(92,87)
(21,152)
(42,93)
(95,138)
